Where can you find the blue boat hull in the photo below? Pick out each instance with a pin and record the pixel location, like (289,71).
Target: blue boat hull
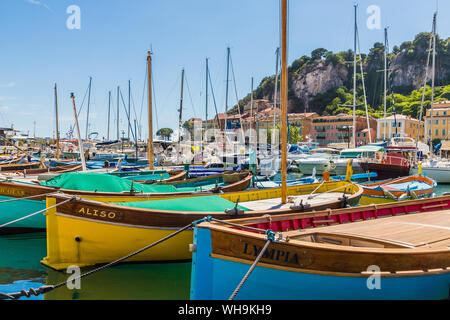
(216,279)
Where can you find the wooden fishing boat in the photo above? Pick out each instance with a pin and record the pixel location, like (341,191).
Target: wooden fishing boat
(412,187)
(392,165)
(368,252)
(60,170)
(228,182)
(92,232)
(19,166)
(12,210)
(126,190)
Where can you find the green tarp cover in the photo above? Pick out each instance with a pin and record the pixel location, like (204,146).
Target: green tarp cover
(102,182)
(193,204)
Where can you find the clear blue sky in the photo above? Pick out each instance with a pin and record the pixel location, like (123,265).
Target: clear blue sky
(37,50)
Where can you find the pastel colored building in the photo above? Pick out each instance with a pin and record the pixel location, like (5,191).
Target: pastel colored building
(400,126)
(440,128)
(338,129)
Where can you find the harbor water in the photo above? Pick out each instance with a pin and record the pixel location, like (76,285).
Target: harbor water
(20,268)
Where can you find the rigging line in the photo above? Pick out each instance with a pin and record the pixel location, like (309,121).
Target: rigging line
(214,98)
(81,106)
(126,113)
(364,86)
(143,95)
(134,110)
(154,102)
(237,99)
(424,89)
(190,97)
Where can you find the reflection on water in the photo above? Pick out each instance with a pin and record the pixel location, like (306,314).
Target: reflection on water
(20,268)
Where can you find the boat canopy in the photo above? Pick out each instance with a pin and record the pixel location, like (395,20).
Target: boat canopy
(207,204)
(368,150)
(87,181)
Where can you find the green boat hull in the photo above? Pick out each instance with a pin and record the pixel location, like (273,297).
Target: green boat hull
(13,210)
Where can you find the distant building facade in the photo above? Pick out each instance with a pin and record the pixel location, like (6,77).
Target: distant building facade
(440,127)
(338,129)
(399,125)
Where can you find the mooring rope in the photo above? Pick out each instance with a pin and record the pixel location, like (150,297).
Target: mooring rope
(48,288)
(35,213)
(343,186)
(271,238)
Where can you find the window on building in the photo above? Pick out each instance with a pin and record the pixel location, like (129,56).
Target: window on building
(437,132)
(436,121)
(443,132)
(443,121)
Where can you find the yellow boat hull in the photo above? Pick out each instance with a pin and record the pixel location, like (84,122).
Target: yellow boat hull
(365,200)
(83,243)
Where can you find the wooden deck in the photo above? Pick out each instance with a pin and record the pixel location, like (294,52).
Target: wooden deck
(420,230)
(275,203)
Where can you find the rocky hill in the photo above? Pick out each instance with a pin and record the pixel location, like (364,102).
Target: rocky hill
(323,81)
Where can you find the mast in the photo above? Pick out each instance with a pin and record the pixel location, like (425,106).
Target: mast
(276,87)
(80,145)
(150,128)
(385,80)
(181,110)
(423,93)
(118,104)
(89,102)
(57,128)
(109,109)
(206,90)
(129,108)
(226,98)
(354,83)
(135,139)
(251,107)
(284,97)
(433,63)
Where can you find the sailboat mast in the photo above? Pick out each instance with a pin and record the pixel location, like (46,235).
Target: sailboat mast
(150,128)
(251,107)
(89,103)
(181,109)
(118,104)
(276,89)
(57,128)
(129,108)
(354,84)
(109,111)
(433,64)
(80,144)
(284,97)
(206,90)
(385,81)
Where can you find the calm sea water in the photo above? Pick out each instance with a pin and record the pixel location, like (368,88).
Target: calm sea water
(20,268)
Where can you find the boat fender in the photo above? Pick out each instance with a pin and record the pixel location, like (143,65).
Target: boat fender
(404,196)
(235,210)
(413,194)
(217,190)
(344,201)
(301,207)
(389,195)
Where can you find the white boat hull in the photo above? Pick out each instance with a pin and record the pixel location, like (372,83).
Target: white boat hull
(438,174)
